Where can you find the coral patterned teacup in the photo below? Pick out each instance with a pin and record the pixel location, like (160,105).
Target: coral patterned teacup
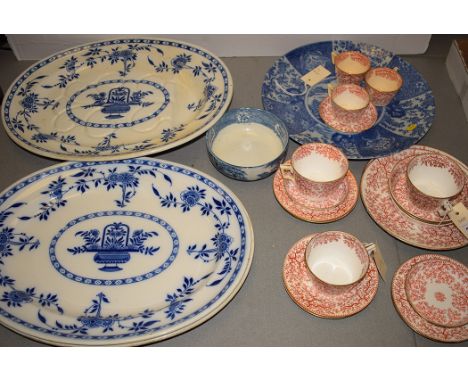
(336,258)
(317,169)
(349,102)
(383,84)
(351,66)
(434,178)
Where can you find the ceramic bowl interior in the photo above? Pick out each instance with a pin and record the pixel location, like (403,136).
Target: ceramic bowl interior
(435,175)
(319,162)
(337,258)
(247,141)
(350,97)
(384,79)
(352,62)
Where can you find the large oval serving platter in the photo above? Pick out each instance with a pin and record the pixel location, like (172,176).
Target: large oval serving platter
(399,125)
(119,252)
(116,99)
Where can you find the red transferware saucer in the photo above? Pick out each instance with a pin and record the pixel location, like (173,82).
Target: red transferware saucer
(316,215)
(411,317)
(421,208)
(331,199)
(320,299)
(350,127)
(438,291)
(376,197)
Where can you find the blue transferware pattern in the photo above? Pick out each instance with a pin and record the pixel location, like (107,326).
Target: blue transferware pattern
(399,125)
(135,87)
(111,271)
(246,115)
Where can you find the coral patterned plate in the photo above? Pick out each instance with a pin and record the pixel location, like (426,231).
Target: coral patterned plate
(420,208)
(107,253)
(116,99)
(411,317)
(366,122)
(332,199)
(438,291)
(399,125)
(316,215)
(320,299)
(376,196)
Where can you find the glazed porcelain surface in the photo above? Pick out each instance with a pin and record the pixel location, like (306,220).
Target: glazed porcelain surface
(119,252)
(410,316)
(320,299)
(422,208)
(116,99)
(321,213)
(399,125)
(377,199)
(247,144)
(337,258)
(438,292)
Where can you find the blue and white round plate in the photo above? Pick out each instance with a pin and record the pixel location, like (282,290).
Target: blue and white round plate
(399,125)
(116,99)
(119,252)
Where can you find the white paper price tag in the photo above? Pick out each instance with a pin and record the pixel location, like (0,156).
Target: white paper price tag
(315,75)
(374,251)
(459,217)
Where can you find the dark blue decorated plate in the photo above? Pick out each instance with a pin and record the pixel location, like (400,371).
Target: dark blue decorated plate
(118,253)
(399,125)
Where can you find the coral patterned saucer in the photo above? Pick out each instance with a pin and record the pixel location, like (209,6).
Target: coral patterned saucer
(366,122)
(320,299)
(438,291)
(421,208)
(331,199)
(314,215)
(411,317)
(377,200)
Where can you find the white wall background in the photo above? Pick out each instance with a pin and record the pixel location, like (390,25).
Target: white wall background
(38,46)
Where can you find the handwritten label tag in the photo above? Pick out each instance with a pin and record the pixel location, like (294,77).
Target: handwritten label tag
(315,75)
(411,127)
(374,252)
(459,216)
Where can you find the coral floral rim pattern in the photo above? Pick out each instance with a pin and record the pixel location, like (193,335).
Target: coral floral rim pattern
(116,99)
(399,125)
(377,199)
(111,254)
(366,121)
(438,292)
(316,215)
(410,316)
(320,299)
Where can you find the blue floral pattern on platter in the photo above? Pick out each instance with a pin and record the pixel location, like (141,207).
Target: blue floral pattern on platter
(399,125)
(118,271)
(141,98)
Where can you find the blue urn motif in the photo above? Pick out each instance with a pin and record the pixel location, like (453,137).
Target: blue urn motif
(115,245)
(118,101)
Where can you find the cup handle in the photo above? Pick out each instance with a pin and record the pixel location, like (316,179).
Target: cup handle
(287,171)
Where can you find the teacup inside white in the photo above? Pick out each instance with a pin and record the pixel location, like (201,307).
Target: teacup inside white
(334,260)
(351,66)
(319,168)
(435,176)
(383,83)
(350,100)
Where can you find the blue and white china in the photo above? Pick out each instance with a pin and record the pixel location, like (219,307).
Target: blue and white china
(116,99)
(119,252)
(399,125)
(247,144)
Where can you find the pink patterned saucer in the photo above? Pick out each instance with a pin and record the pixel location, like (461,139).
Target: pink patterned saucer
(421,208)
(328,116)
(331,199)
(316,215)
(320,299)
(411,317)
(438,291)
(376,197)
